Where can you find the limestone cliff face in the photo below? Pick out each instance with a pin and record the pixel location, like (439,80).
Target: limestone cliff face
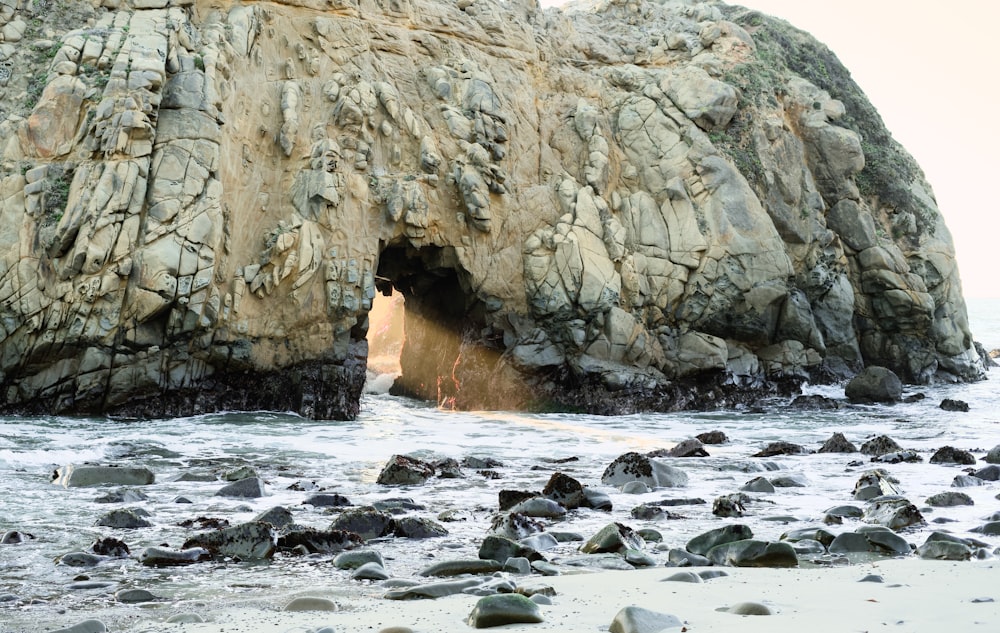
(597,208)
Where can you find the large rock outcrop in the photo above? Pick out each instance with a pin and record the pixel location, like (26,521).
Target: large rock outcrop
(596,208)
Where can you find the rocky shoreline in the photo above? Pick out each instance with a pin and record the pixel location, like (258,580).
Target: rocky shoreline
(505,564)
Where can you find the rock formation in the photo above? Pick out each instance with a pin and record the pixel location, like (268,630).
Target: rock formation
(622,206)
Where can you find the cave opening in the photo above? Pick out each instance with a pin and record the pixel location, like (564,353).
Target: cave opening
(437,336)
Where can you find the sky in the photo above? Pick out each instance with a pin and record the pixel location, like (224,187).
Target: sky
(931,69)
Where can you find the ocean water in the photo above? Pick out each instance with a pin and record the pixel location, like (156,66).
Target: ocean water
(39,594)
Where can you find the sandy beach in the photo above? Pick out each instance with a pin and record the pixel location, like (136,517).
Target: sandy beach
(915,596)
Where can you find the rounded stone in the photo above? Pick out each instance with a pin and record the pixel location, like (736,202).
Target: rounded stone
(749,608)
(310,603)
(501,609)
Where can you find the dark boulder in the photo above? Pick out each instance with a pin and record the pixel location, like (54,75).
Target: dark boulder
(111,547)
(949,499)
(510,498)
(899,457)
(366,522)
(712,437)
(613,538)
(688,448)
(875,384)
(401,470)
(319,542)
(880,446)
(418,528)
(727,534)
(246,541)
(781,448)
(753,553)
(954,405)
(731,505)
(838,444)
(327,501)
(165,557)
(250,488)
(125,518)
(565,490)
(952,455)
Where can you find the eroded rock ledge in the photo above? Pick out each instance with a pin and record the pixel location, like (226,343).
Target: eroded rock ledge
(634,205)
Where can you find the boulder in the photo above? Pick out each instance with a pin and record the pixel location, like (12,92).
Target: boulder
(954,405)
(418,528)
(875,384)
(993,456)
(71,476)
(125,518)
(614,538)
(899,457)
(757,484)
(688,448)
(952,455)
(110,547)
(702,543)
(327,501)
(401,470)
(277,516)
(988,473)
(318,541)
(781,448)
(370,571)
(514,526)
(639,620)
(944,550)
(753,553)
(838,444)
(949,499)
(461,567)
(732,505)
(354,559)
(247,541)
(539,507)
(165,557)
(564,490)
(636,467)
(892,511)
(503,609)
(874,483)
(880,446)
(250,488)
(499,549)
(366,522)
(712,437)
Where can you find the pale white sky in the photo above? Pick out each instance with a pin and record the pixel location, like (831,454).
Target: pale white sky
(932,71)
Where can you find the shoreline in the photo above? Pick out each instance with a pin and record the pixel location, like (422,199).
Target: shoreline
(916,595)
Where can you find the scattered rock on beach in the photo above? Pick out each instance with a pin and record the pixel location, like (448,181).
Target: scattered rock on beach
(712,437)
(433,590)
(418,528)
(640,620)
(966,481)
(310,603)
(278,516)
(838,444)
(637,467)
(462,566)
(748,608)
(125,518)
(993,456)
(247,541)
(110,547)
(949,499)
(402,470)
(944,550)
(353,559)
(165,557)
(87,626)
(565,490)
(880,446)
(500,548)
(954,405)
(318,541)
(952,455)
(781,448)
(726,534)
(613,537)
(892,511)
(874,384)
(732,505)
(757,484)
(753,553)
(504,609)
(125,495)
(688,448)
(250,488)
(874,483)
(988,473)
(327,501)
(366,522)
(514,526)
(71,476)
(899,457)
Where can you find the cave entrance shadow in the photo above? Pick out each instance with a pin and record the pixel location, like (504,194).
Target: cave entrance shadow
(447,356)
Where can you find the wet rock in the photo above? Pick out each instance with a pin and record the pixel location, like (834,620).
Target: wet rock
(992,528)
(251,488)
(247,541)
(402,470)
(637,467)
(874,384)
(418,528)
(278,516)
(966,481)
(540,507)
(354,559)
(684,576)
(519,566)
(327,501)
(448,468)
(71,476)
(127,495)
(873,578)
(949,499)
(366,522)
(683,558)
(819,535)
(712,437)
(541,541)
(597,500)
(79,559)
(87,626)
(879,540)
(880,446)
(790,481)
(954,405)
(874,483)
(514,526)
(111,547)
(310,603)
(433,590)
(397,505)
(688,448)
(318,541)
(702,543)
(165,557)
(944,550)
(748,608)
(135,596)
(499,549)
(240,473)
(899,457)
(459,567)
(781,448)
(652,512)
(504,609)
(892,511)
(730,505)
(757,484)
(565,490)
(370,571)
(952,455)
(988,473)
(753,553)
(816,402)
(12,537)
(124,518)
(838,444)
(993,456)
(509,498)
(639,620)
(478,463)
(185,618)
(639,558)
(614,537)
(808,547)
(635,488)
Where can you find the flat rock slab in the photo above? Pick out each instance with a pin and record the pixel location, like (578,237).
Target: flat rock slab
(71,476)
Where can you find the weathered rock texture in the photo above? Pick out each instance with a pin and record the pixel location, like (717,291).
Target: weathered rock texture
(593,209)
